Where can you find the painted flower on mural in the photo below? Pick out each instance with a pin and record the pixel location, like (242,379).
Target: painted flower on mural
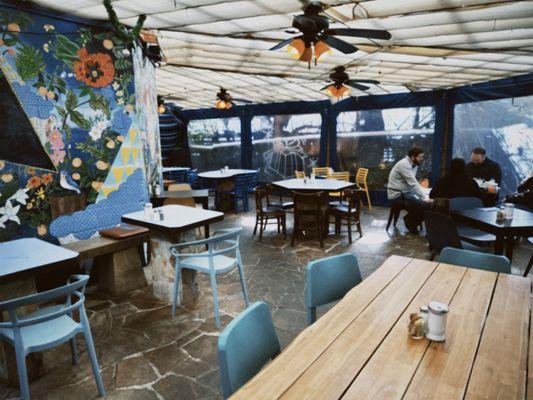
(10,212)
(96,70)
(20,196)
(34,182)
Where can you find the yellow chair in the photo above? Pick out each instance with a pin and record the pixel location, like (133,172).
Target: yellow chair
(299,174)
(322,170)
(340,176)
(360,180)
(179,187)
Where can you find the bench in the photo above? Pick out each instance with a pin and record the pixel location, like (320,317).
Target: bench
(118,262)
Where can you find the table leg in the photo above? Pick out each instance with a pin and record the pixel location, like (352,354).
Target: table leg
(499,245)
(205,203)
(509,247)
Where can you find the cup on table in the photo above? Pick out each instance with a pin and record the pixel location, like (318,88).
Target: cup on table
(509,210)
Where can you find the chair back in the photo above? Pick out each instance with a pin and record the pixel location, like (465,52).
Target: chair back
(74,287)
(441,231)
(299,174)
(178,176)
(251,181)
(330,278)
(322,170)
(241,182)
(353,197)
(192,178)
(309,203)
(207,183)
(260,194)
(185,201)
(176,187)
(360,177)
(340,176)
(245,346)
(475,259)
(465,203)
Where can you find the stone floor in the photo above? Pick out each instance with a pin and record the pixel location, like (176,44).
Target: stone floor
(147,354)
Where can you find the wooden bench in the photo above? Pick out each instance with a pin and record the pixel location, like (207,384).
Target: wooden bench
(118,262)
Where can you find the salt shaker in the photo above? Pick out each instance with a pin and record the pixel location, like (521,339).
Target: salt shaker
(437,321)
(148,210)
(509,210)
(424,313)
(500,214)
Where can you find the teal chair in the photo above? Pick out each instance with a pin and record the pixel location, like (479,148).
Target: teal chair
(474,259)
(49,327)
(245,346)
(329,279)
(214,261)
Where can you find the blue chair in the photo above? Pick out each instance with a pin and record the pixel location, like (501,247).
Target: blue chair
(474,259)
(192,178)
(252,180)
(213,262)
(240,192)
(178,176)
(245,346)
(49,327)
(468,233)
(329,279)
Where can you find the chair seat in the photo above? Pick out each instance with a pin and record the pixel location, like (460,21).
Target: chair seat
(475,235)
(473,247)
(45,334)
(286,205)
(201,264)
(340,209)
(272,212)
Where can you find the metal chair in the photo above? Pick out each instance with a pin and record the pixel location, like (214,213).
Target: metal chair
(474,259)
(441,232)
(214,262)
(49,327)
(350,212)
(468,233)
(245,346)
(329,279)
(360,180)
(263,214)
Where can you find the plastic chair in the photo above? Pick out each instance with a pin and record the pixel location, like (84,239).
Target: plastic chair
(329,279)
(299,174)
(214,262)
(468,233)
(49,327)
(360,180)
(245,346)
(474,259)
(176,187)
(340,176)
(441,232)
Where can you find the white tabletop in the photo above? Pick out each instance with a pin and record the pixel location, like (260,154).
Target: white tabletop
(170,169)
(218,174)
(24,254)
(174,217)
(330,185)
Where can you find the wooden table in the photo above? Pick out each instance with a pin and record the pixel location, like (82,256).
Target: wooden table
(313,185)
(505,231)
(200,196)
(360,349)
(178,225)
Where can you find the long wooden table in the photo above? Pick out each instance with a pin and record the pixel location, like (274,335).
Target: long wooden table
(360,349)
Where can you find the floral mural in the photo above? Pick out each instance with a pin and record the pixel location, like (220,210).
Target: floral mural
(75,84)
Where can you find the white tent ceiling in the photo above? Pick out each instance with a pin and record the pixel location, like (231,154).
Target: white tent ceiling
(435,44)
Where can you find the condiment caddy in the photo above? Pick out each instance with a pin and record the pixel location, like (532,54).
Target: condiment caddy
(429,322)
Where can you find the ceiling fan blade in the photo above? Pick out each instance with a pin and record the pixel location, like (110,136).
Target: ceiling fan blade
(341,45)
(284,43)
(325,87)
(364,33)
(357,86)
(244,101)
(371,81)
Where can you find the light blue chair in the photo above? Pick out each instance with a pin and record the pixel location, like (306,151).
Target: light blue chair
(329,279)
(214,262)
(49,327)
(474,259)
(245,346)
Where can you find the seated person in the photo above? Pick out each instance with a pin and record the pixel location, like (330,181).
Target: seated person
(524,194)
(404,188)
(456,183)
(483,167)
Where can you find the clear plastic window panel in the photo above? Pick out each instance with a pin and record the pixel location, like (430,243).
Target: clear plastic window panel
(215,143)
(504,128)
(378,139)
(283,144)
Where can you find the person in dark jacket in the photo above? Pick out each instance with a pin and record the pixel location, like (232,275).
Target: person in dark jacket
(483,167)
(456,183)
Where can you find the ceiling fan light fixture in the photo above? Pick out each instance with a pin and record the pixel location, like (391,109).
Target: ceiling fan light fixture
(307,55)
(335,92)
(296,48)
(223,105)
(321,49)
(161,109)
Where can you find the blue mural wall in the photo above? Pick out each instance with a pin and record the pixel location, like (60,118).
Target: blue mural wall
(75,82)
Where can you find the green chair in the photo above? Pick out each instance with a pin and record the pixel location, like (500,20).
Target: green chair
(245,346)
(49,327)
(474,259)
(329,279)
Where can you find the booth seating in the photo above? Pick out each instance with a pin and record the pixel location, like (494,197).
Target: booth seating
(118,262)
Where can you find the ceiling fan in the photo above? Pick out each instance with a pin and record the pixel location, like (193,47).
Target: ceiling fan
(225,101)
(340,81)
(316,38)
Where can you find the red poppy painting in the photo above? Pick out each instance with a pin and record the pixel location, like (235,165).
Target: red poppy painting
(96,70)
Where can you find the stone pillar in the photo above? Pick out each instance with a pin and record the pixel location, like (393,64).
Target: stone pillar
(120,272)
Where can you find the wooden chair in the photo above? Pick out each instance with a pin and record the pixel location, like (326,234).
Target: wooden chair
(360,180)
(299,174)
(272,191)
(351,213)
(176,187)
(309,215)
(263,214)
(322,170)
(340,176)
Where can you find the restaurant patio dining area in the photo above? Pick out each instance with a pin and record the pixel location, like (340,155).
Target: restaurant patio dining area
(265,200)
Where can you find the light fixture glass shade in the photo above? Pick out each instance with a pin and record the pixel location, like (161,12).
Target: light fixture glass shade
(161,109)
(296,48)
(223,105)
(321,49)
(337,92)
(307,55)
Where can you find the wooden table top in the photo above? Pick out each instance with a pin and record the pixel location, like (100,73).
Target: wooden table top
(230,173)
(485,219)
(360,349)
(305,185)
(22,255)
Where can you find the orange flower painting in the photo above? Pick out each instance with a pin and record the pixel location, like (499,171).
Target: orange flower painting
(34,182)
(96,70)
(47,179)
